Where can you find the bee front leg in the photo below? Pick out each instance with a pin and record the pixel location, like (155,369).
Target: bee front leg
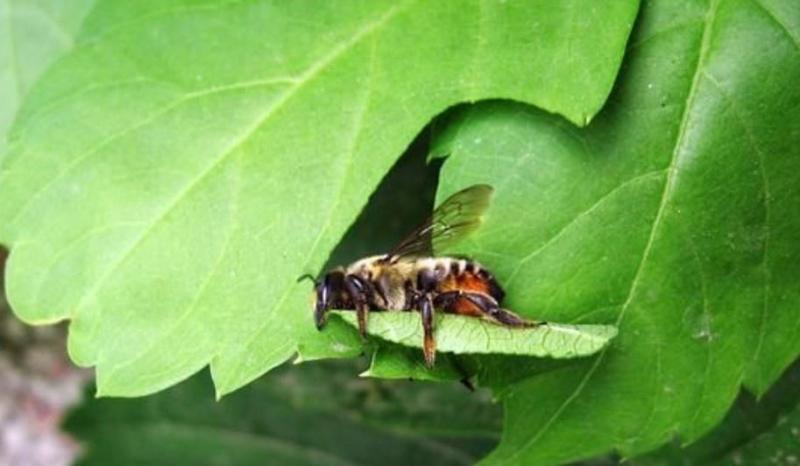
(428,344)
(359,295)
(324,300)
(320,317)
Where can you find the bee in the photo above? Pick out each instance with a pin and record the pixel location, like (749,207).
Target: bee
(411,278)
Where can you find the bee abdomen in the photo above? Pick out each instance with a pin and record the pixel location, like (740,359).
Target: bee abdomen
(495,290)
(467,275)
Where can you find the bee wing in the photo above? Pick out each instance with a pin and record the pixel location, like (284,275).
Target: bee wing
(454,219)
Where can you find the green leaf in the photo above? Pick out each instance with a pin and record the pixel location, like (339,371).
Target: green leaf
(781,445)
(33,34)
(400,362)
(674,216)
(177,171)
(460,334)
(750,426)
(314,414)
(407,191)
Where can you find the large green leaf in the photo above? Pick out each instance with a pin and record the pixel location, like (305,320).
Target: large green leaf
(33,34)
(674,215)
(311,415)
(172,177)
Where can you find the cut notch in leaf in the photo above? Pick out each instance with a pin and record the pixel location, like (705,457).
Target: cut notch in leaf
(459,334)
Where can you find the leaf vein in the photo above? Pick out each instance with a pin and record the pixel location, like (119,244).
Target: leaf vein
(306,77)
(765,186)
(781,25)
(75,162)
(665,197)
(707,316)
(192,305)
(357,127)
(577,218)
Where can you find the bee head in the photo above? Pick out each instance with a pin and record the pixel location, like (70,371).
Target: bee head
(327,291)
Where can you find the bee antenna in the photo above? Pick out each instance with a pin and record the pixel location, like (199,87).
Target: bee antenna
(306,276)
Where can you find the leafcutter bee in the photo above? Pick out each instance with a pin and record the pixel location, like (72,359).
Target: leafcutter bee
(410,278)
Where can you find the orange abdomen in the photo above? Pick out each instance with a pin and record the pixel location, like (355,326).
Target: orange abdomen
(466,281)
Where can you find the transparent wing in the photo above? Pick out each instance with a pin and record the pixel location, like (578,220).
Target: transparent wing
(454,219)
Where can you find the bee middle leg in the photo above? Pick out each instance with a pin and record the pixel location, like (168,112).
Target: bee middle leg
(426,284)
(428,343)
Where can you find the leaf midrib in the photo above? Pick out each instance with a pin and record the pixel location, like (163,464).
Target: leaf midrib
(582,214)
(665,197)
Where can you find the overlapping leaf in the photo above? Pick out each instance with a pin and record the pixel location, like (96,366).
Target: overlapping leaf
(172,177)
(673,215)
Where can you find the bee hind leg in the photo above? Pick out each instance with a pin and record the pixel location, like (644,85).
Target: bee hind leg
(492,311)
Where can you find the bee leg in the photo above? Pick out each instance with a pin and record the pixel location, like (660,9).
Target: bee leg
(510,319)
(492,311)
(446,300)
(357,289)
(320,315)
(323,302)
(426,286)
(455,361)
(428,344)
(411,296)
